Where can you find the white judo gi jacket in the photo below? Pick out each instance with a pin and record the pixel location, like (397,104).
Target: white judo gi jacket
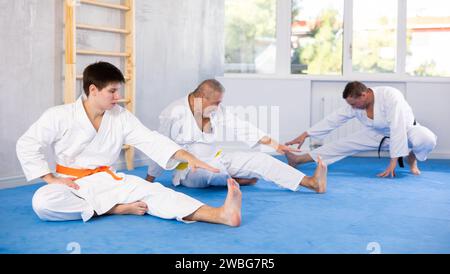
(178,123)
(392,117)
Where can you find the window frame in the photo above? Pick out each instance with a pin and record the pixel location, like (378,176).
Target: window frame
(283,50)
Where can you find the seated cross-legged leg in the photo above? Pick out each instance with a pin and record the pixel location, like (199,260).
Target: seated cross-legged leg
(56,202)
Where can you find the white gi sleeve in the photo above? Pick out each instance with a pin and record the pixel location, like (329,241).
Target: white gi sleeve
(165,126)
(398,145)
(331,122)
(29,147)
(156,146)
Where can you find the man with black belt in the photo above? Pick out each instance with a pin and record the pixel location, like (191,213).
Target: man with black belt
(389,124)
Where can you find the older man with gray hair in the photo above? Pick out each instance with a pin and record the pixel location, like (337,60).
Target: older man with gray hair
(196,121)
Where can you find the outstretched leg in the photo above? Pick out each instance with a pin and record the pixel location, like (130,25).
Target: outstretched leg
(229,213)
(318,182)
(262,165)
(169,204)
(360,141)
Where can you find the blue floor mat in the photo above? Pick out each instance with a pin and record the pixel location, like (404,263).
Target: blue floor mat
(360,213)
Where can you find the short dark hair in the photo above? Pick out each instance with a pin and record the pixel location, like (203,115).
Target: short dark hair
(354,89)
(101,74)
(210,83)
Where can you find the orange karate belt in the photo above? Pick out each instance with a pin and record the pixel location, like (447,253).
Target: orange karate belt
(80,173)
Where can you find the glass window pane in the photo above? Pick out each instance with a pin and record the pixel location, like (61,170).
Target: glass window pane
(428,38)
(250,36)
(374,36)
(317,36)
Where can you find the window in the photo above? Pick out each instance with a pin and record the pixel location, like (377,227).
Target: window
(333,38)
(317,36)
(428,27)
(250,36)
(374,36)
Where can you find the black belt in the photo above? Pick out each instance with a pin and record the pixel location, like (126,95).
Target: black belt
(400,159)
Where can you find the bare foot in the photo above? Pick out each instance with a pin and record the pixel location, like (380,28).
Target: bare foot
(321,175)
(412,162)
(318,182)
(246,181)
(292,159)
(136,208)
(231,210)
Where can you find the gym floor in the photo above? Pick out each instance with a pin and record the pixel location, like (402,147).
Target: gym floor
(360,213)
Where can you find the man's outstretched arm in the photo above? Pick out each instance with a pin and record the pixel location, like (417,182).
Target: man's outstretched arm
(194,163)
(325,126)
(299,140)
(266,140)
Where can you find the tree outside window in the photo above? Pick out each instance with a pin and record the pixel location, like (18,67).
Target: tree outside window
(317,37)
(250,36)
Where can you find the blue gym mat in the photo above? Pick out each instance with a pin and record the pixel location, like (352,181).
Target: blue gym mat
(360,213)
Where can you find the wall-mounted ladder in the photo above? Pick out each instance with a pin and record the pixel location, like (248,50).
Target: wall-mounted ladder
(71,53)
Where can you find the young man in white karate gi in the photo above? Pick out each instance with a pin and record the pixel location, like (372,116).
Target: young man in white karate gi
(87,137)
(389,124)
(198,121)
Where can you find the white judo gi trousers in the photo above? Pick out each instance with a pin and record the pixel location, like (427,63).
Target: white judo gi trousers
(245,165)
(421,141)
(57,202)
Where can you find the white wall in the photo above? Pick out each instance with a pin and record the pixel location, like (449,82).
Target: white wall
(283,106)
(292,97)
(179,44)
(430,102)
(30,74)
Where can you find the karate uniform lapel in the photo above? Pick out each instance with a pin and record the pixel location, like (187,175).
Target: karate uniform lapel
(82,119)
(200,139)
(79,136)
(379,115)
(96,140)
(196,132)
